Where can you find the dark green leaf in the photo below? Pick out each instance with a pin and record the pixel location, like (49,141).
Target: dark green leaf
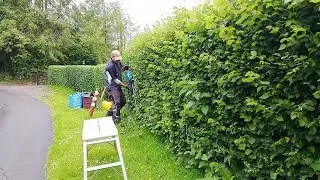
(204,157)
(254,53)
(248,151)
(214,166)
(205,94)
(225,173)
(273,175)
(282,47)
(265,96)
(202,164)
(302,122)
(252,140)
(279,118)
(316,94)
(183,91)
(191,162)
(191,103)
(308,160)
(242,146)
(313,130)
(311,149)
(205,109)
(196,95)
(316,166)
(198,156)
(210,121)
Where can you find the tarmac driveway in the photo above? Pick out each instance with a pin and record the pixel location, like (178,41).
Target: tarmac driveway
(25,132)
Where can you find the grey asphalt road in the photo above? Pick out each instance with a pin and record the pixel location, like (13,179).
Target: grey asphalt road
(25,135)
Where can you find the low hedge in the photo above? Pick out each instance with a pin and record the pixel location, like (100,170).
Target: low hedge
(78,77)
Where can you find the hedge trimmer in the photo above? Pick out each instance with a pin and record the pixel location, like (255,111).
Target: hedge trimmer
(130,85)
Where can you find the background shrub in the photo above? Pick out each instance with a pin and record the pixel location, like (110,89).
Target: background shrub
(78,77)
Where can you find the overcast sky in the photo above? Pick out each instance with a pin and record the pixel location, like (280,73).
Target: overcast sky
(149,11)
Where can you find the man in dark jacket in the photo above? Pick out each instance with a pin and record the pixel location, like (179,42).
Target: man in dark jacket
(113,80)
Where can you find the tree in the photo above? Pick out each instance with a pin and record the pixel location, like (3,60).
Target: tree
(37,33)
(120,24)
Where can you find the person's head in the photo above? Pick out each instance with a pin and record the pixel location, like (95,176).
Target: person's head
(115,56)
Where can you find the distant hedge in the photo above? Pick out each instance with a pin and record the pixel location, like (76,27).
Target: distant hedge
(235,84)
(79,78)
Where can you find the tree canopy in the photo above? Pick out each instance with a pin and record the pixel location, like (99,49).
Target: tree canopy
(38,33)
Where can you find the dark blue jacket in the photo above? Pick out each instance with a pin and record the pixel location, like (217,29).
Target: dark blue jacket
(112,72)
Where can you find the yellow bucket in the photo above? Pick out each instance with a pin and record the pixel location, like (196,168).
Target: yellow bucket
(106,105)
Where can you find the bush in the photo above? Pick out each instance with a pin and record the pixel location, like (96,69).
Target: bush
(32,39)
(79,78)
(235,85)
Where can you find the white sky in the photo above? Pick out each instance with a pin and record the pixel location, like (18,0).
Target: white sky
(147,12)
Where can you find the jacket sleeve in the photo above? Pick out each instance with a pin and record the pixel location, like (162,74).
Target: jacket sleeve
(111,73)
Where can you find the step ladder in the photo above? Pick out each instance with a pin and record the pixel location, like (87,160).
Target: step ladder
(97,131)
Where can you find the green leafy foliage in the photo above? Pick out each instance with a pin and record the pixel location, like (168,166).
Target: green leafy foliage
(30,41)
(25,45)
(77,77)
(32,37)
(235,84)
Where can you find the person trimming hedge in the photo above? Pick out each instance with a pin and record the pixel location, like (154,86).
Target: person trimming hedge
(113,80)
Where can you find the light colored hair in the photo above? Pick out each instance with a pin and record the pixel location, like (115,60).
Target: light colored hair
(115,53)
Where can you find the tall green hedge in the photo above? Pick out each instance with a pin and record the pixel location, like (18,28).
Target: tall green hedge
(235,84)
(79,78)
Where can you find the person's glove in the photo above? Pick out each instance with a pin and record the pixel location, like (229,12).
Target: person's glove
(126,67)
(129,88)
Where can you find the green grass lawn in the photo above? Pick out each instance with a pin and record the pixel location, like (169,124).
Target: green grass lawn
(145,157)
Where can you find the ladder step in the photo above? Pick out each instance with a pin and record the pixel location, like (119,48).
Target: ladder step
(101,141)
(104,166)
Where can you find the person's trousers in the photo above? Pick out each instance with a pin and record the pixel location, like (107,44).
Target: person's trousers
(118,101)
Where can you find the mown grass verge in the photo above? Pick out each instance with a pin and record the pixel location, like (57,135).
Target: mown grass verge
(145,157)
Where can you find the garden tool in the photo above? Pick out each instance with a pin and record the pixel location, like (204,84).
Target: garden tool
(129,77)
(130,86)
(94,100)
